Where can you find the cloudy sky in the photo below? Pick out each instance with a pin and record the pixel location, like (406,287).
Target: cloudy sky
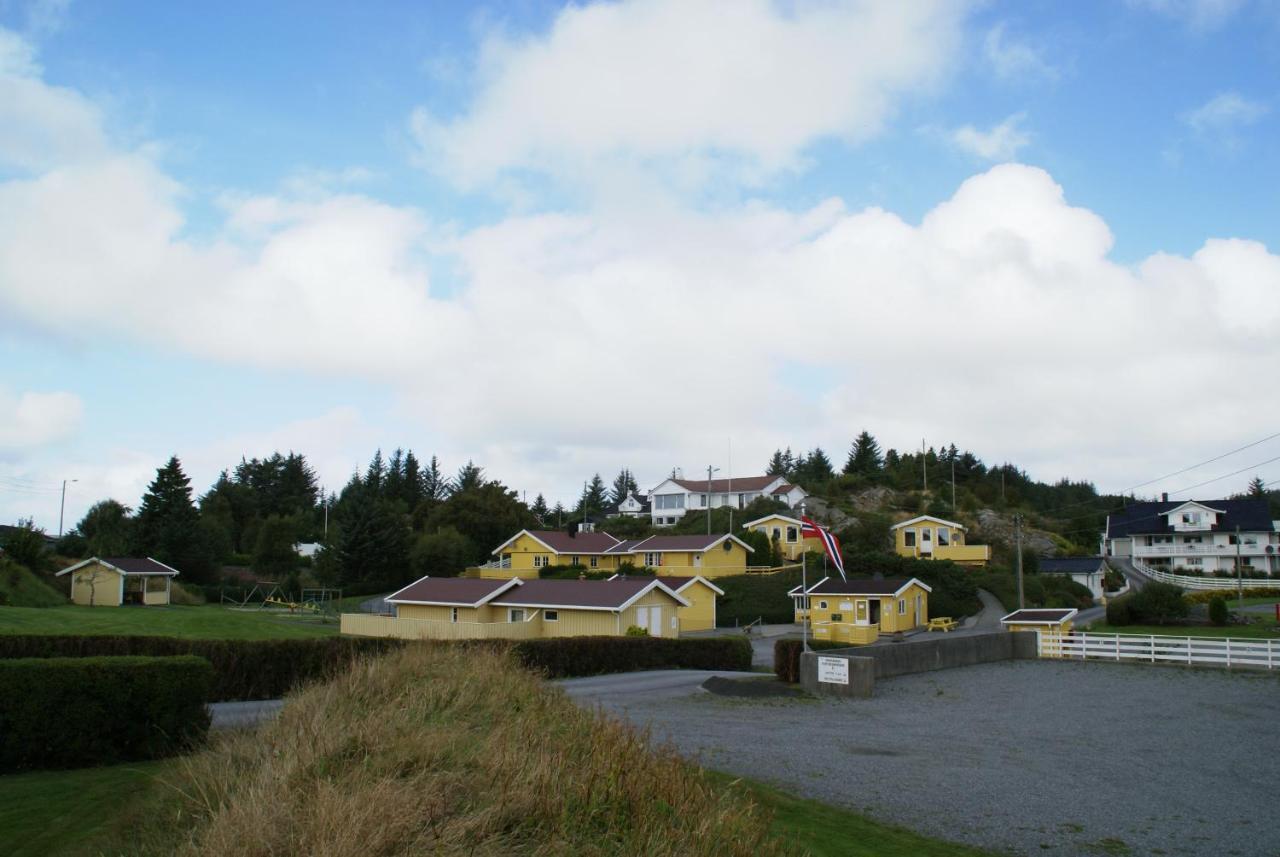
(651,233)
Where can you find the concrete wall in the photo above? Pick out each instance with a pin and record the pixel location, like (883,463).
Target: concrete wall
(915,656)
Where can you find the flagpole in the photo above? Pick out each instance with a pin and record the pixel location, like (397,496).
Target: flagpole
(804,585)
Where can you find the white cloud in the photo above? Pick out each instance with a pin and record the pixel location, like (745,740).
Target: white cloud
(688,85)
(1001,142)
(31,420)
(1196,14)
(1014,59)
(1224,113)
(47,16)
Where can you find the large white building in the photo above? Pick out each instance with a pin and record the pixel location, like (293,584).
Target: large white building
(676,497)
(1196,535)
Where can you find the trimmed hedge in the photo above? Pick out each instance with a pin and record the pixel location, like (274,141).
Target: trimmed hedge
(565,657)
(242,669)
(1205,596)
(76,712)
(786,656)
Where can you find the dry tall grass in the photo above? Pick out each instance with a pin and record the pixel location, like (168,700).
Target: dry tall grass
(440,750)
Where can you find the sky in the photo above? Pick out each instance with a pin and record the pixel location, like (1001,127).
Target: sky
(566,239)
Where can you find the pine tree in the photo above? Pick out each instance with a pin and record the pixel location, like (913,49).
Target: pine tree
(595,496)
(411,493)
(540,510)
(372,543)
(818,467)
(394,482)
(376,474)
(777,464)
(434,485)
(556,517)
(1257,488)
(469,476)
(864,456)
(623,484)
(167,526)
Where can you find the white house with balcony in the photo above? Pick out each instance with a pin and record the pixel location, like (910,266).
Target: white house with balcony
(677,496)
(1196,535)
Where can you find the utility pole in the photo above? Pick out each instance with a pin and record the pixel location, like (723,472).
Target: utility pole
(804,588)
(1239,573)
(924,465)
(1017,536)
(710,470)
(953,486)
(62,507)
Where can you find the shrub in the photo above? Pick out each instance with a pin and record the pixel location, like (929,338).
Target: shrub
(75,712)
(1118,612)
(1158,603)
(562,657)
(1249,592)
(189,595)
(1218,613)
(636,631)
(242,669)
(786,656)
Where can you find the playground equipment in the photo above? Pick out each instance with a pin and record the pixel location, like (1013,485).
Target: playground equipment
(320,601)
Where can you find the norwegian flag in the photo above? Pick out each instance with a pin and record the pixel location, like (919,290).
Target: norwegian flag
(810,530)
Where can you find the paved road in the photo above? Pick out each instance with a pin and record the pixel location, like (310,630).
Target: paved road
(649,685)
(242,715)
(1125,566)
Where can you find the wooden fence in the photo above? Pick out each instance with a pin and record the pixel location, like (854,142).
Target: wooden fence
(1157,648)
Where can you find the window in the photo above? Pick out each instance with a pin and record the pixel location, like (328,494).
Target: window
(902,607)
(668,501)
(1195,560)
(515,614)
(1231,539)
(837,617)
(1192,540)
(541,560)
(595,561)
(909,538)
(944,537)
(926,534)
(453,615)
(822,605)
(792,535)
(551,615)
(575,560)
(653,560)
(777,534)
(724,499)
(702,500)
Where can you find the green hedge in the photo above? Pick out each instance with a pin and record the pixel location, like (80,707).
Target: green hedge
(77,712)
(786,656)
(563,657)
(242,669)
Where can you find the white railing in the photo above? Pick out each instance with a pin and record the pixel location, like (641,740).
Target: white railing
(1156,648)
(505,562)
(1188,582)
(1222,550)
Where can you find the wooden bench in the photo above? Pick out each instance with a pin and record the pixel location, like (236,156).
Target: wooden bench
(943,623)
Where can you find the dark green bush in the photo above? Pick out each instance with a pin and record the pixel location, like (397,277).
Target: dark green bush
(786,656)
(563,657)
(242,669)
(1118,612)
(1218,613)
(77,712)
(1157,604)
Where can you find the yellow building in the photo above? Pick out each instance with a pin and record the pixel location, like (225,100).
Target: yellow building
(445,608)
(858,611)
(1051,624)
(116,581)
(701,594)
(785,532)
(526,553)
(927,537)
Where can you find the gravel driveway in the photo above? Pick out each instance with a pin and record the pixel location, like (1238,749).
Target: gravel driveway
(1030,756)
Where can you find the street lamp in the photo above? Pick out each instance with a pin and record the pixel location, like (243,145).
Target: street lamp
(62,507)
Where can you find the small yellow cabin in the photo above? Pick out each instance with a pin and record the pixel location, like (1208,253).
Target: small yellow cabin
(785,532)
(859,611)
(447,608)
(927,537)
(1050,624)
(117,581)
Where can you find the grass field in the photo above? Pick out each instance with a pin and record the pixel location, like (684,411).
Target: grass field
(1265,630)
(822,830)
(20,588)
(59,812)
(205,622)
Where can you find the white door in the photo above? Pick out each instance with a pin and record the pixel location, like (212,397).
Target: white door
(655,621)
(697,560)
(926,540)
(642,617)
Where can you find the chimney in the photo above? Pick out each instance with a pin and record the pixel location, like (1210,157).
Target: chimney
(1164,498)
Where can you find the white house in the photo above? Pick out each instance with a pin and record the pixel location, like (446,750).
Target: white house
(676,497)
(1088,571)
(1196,535)
(630,507)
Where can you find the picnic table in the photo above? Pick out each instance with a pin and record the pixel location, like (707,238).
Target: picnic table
(943,623)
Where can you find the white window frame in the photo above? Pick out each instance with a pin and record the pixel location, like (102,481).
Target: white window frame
(822,605)
(511,614)
(453,615)
(575,560)
(594,561)
(551,615)
(926,534)
(541,560)
(944,537)
(909,538)
(902,607)
(793,534)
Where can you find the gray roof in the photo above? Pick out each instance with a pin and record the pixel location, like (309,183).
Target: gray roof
(1250,514)
(1071,564)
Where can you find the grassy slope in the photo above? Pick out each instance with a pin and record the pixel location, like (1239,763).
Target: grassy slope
(58,812)
(20,588)
(207,622)
(822,830)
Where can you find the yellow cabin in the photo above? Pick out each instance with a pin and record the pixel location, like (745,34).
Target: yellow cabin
(785,532)
(701,594)
(526,553)
(453,608)
(117,581)
(927,537)
(1050,624)
(859,611)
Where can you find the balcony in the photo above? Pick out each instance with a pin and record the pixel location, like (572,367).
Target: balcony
(1202,549)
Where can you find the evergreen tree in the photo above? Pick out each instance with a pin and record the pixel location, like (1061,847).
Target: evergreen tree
(372,544)
(556,517)
(469,476)
(540,509)
(487,515)
(106,528)
(376,474)
(394,482)
(167,525)
(788,463)
(595,496)
(623,484)
(273,554)
(817,467)
(411,493)
(777,464)
(1257,488)
(891,459)
(864,456)
(435,487)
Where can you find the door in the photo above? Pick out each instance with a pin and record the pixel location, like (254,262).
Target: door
(655,621)
(642,617)
(926,540)
(861,615)
(697,560)
(875,612)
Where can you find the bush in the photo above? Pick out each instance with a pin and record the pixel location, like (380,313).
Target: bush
(1218,613)
(786,656)
(1118,612)
(636,631)
(189,595)
(563,657)
(242,669)
(1158,604)
(1249,592)
(76,712)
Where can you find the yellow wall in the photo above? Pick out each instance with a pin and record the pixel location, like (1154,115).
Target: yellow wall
(1064,628)
(700,615)
(523,550)
(98,581)
(441,613)
(581,623)
(654,599)
(860,609)
(716,562)
(790,550)
(957,551)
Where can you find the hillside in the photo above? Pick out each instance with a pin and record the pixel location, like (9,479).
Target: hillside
(19,587)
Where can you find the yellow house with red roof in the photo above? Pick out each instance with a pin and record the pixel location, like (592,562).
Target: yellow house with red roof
(526,553)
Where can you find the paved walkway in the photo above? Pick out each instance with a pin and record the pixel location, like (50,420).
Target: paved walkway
(650,685)
(243,715)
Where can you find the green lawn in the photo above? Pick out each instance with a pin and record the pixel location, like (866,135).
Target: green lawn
(823,830)
(52,813)
(205,622)
(1255,630)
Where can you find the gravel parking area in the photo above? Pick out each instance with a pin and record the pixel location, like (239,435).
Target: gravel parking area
(1031,757)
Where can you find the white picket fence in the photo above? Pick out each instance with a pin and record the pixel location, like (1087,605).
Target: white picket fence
(1156,648)
(1186,581)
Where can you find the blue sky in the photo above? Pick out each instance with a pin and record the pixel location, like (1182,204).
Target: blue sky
(562,240)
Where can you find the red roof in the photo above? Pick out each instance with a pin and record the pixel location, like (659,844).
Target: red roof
(722,486)
(582,543)
(600,594)
(669,543)
(448,590)
(783,488)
